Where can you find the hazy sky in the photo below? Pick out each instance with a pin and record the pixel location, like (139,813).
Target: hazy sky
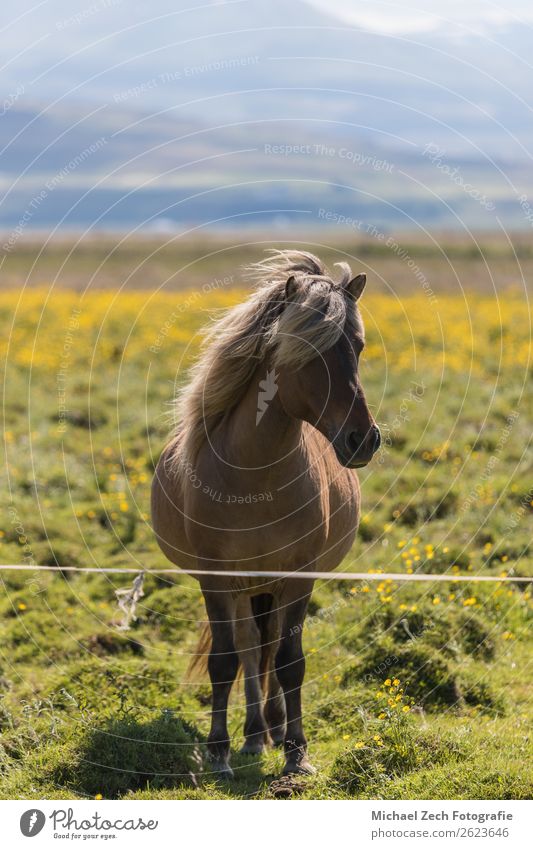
(397,16)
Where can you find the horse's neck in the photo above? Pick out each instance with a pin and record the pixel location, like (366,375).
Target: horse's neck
(259,431)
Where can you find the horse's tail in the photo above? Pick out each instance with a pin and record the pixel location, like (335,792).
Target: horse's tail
(198,665)
(261,608)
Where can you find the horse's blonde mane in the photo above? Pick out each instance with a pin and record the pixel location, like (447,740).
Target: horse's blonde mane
(292,331)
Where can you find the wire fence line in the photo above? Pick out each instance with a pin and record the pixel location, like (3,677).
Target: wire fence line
(128,597)
(238,573)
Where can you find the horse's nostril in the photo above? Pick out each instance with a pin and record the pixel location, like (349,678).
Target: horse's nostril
(354,441)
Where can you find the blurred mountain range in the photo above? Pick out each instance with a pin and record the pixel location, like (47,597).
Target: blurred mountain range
(169,115)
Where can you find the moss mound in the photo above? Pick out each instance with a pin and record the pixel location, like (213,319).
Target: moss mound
(428,675)
(128,755)
(454,632)
(425,673)
(373,767)
(174,610)
(111,643)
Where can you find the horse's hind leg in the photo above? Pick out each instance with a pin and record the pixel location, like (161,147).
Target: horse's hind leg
(274,709)
(222,666)
(275,714)
(248,643)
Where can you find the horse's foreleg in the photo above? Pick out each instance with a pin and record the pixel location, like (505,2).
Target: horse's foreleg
(290,669)
(222,666)
(248,643)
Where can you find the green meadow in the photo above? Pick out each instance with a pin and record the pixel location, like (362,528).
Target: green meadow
(412,691)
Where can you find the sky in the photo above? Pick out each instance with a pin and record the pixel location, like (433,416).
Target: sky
(403,16)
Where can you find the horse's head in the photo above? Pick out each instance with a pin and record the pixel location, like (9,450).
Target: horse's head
(323,385)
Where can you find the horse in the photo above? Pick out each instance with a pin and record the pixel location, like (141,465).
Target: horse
(259,474)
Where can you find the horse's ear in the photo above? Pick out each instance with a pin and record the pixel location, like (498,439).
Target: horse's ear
(355,287)
(291,288)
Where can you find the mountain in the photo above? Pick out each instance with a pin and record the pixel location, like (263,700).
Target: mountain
(192,110)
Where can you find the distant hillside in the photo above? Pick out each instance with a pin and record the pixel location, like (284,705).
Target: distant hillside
(222,114)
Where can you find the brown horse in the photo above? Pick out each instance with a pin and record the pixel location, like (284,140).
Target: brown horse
(260,475)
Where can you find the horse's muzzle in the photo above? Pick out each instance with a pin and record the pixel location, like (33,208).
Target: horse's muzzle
(355,449)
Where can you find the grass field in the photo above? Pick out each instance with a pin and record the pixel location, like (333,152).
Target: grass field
(89,710)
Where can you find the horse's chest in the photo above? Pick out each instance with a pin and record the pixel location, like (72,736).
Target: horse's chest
(266,526)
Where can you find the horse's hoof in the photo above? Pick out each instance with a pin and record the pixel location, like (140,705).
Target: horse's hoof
(221,769)
(252,749)
(302,766)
